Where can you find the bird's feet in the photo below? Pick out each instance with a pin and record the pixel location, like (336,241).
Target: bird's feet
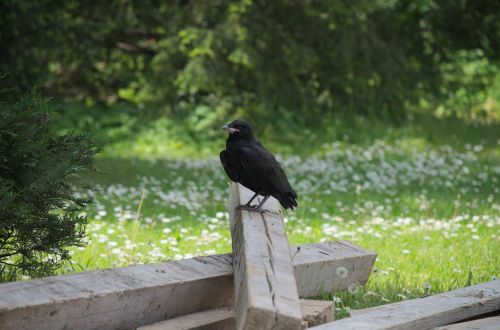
(247,207)
(250,208)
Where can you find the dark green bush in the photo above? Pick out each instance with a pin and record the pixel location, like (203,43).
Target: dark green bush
(206,61)
(40,209)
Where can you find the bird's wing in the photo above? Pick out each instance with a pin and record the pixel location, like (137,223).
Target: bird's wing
(261,166)
(230,171)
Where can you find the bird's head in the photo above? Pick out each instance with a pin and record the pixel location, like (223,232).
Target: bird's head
(239,129)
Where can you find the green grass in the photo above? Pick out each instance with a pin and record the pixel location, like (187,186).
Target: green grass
(424,195)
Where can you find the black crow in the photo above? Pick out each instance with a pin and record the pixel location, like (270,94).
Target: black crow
(246,161)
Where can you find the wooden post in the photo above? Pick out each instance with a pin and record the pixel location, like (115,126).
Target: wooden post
(266,294)
(426,313)
(128,297)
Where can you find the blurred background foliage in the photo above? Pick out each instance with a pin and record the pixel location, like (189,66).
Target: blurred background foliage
(292,64)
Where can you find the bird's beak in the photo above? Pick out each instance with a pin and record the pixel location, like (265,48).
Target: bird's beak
(230,130)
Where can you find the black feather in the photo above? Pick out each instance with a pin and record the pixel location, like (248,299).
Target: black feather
(248,162)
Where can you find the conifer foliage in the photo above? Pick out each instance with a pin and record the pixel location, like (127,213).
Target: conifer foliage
(40,205)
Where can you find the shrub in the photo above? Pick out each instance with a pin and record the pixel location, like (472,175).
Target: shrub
(40,208)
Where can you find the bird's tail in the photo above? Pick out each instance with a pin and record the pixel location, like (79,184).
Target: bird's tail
(289,200)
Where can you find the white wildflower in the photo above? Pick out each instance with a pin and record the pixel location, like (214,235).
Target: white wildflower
(370,294)
(353,288)
(342,272)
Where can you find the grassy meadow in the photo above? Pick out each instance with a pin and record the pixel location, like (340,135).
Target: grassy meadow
(423,194)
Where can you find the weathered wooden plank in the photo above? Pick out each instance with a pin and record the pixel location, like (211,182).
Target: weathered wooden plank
(122,298)
(333,266)
(212,319)
(428,312)
(489,323)
(314,312)
(266,295)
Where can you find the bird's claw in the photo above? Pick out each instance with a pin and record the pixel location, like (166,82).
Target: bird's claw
(250,208)
(246,207)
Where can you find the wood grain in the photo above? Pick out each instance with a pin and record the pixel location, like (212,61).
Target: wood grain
(489,323)
(332,266)
(428,312)
(314,312)
(266,295)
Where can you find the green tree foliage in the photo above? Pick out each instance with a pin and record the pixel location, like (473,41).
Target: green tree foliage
(213,59)
(40,211)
